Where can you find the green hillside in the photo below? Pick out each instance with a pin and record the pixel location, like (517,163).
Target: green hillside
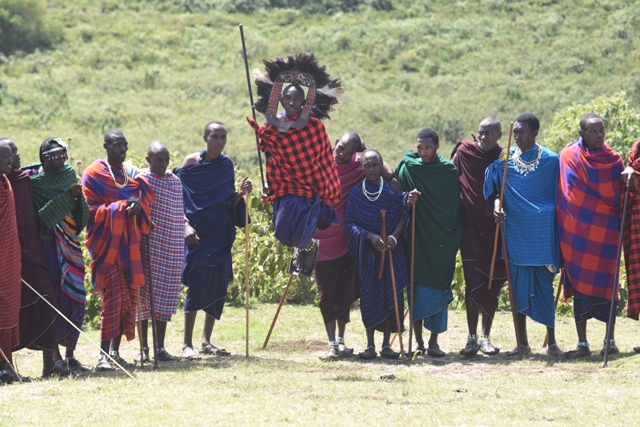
(161,69)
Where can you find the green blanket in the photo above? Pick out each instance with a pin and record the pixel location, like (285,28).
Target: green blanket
(52,197)
(438,218)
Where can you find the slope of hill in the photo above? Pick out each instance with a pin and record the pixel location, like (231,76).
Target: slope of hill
(158,72)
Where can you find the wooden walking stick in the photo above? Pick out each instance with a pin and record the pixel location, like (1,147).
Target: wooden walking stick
(504,181)
(616,279)
(411,279)
(282,300)
(395,303)
(147,255)
(560,285)
(246,271)
(383,234)
(95,344)
(510,286)
(393,339)
(11,366)
(253,110)
(135,227)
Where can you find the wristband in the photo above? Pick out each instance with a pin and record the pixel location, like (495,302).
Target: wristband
(394,238)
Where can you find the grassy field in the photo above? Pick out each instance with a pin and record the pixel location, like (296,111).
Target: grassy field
(288,385)
(158,72)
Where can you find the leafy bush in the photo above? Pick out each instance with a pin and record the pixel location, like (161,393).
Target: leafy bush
(25,26)
(621,122)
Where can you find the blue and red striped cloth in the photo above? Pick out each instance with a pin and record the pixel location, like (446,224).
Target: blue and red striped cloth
(588,217)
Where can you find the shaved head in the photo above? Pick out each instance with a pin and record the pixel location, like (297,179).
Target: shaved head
(157,147)
(493,123)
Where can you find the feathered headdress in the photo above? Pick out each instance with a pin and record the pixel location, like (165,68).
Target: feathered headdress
(301,68)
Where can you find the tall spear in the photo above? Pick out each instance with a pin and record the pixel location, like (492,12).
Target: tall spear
(147,254)
(253,110)
(246,272)
(616,279)
(504,181)
(500,230)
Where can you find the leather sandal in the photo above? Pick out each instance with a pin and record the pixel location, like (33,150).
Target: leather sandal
(368,354)
(526,349)
(435,352)
(471,349)
(579,352)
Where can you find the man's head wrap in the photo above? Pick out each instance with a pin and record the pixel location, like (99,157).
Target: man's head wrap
(301,68)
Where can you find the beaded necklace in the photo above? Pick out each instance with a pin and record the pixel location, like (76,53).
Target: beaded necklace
(124,172)
(372,197)
(525,168)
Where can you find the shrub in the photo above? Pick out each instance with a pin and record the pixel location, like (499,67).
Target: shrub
(25,26)
(621,122)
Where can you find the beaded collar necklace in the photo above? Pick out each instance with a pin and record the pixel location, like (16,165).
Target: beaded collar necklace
(372,197)
(124,172)
(525,168)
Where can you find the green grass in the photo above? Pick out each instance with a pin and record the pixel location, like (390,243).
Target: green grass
(287,384)
(159,73)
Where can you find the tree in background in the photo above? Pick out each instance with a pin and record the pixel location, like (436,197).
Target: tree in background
(25,26)
(621,122)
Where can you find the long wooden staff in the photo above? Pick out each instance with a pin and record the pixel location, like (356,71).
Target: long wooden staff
(395,303)
(411,279)
(504,181)
(282,300)
(246,271)
(616,278)
(11,366)
(106,353)
(560,286)
(135,227)
(510,286)
(253,110)
(395,335)
(147,254)
(383,234)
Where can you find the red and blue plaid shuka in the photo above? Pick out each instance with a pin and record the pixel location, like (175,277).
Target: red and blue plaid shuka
(588,217)
(114,244)
(632,239)
(299,161)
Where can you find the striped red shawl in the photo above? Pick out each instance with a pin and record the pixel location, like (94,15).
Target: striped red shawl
(588,217)
(111,236)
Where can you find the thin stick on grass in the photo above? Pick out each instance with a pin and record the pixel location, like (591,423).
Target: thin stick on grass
(275,318)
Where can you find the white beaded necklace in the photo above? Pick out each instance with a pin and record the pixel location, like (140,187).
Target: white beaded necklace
(372,197)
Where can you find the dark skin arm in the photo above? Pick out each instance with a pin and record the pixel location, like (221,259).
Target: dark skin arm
(76,192)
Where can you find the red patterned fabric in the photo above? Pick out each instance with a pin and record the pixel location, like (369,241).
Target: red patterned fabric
(588,218)
(632,239)
(114,244)
(10,279)
(299,161)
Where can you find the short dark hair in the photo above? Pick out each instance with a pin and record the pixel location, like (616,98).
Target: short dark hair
(587,117)
(352,138)
(211,123)
(112,135)
(370,150)
(529,118)
(428,133)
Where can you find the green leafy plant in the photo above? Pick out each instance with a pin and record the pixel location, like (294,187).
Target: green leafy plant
(621,122)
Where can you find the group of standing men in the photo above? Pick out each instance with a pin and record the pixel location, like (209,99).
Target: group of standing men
(143,227)
(150,230)
(560,213)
